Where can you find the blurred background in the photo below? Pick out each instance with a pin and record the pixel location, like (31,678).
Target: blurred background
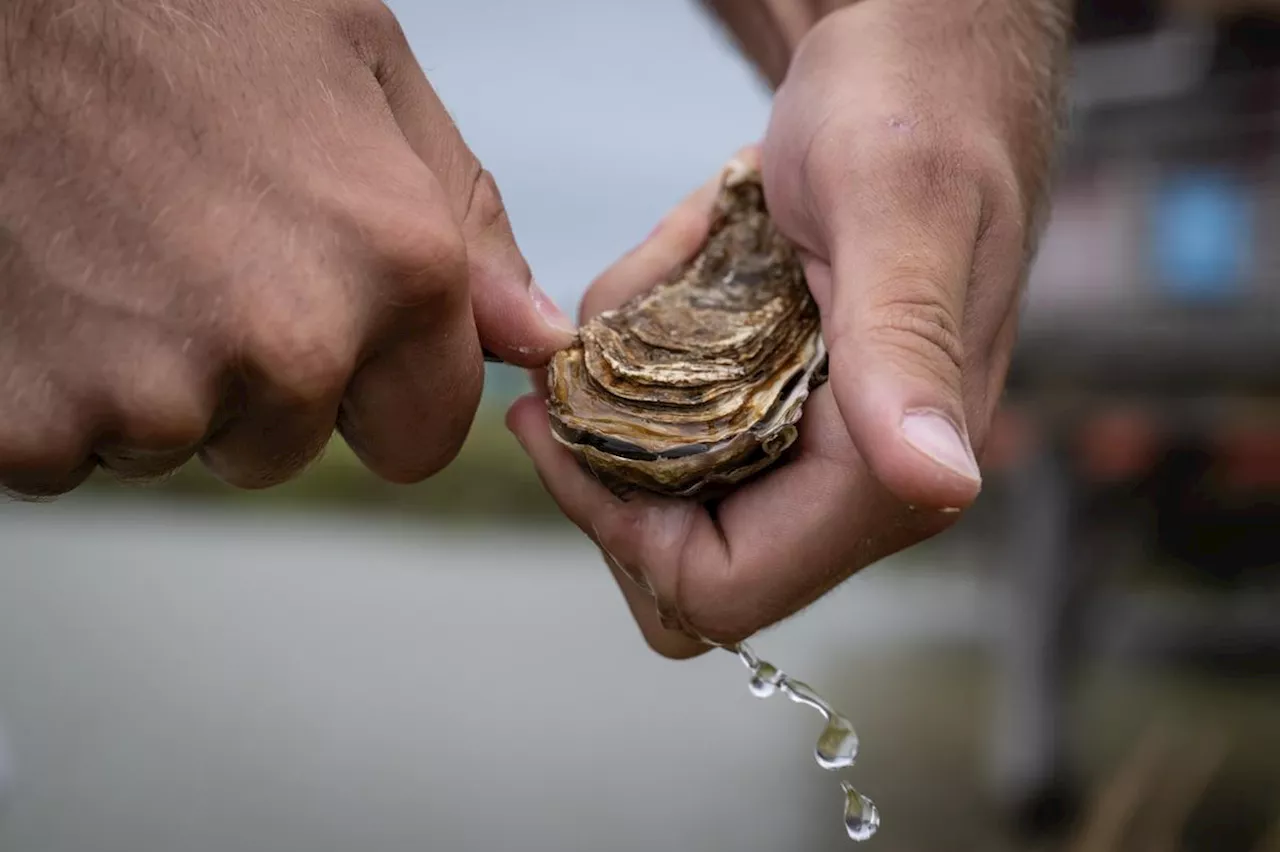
(1090,661)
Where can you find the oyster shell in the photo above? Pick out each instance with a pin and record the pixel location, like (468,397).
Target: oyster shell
(697,385)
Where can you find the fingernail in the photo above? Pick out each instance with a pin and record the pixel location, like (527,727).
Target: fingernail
(509,422)
(549,311)
(939,439)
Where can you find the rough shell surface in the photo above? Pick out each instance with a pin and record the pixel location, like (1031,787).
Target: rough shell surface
(697,385)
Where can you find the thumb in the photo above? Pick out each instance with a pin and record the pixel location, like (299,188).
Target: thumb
(516,321)
(896,356)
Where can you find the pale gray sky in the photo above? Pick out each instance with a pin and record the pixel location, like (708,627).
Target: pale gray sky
(594,115)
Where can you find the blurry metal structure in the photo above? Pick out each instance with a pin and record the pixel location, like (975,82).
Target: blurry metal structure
(1157,291)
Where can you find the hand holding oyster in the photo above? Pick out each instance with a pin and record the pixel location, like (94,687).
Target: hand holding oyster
(700,350)
(697,385)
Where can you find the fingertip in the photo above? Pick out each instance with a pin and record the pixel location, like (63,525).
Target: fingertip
(671,645)
(557,320)
(939,439)
(918,451)
(523,415)
(516,320)
(925,462)
(531,346)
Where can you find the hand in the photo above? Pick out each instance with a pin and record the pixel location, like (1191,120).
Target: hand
(225,228)
(913,205)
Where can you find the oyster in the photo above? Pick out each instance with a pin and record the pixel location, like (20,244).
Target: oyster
(697,385)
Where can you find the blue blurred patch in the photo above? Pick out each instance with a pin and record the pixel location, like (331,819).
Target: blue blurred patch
(1202,235)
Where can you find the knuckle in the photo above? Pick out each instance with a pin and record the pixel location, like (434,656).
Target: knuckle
(485,208)
(310,361)
(164,412)
(371,26)
(908,316)
(1009,205)
(412,239)
(427,257)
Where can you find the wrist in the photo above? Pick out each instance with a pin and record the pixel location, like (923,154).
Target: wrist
(984,72)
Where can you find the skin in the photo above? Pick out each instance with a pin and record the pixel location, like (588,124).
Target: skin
(907,157)
(229,228)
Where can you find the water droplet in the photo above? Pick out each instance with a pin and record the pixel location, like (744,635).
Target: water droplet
(765,680)
(837,745)
(861,816)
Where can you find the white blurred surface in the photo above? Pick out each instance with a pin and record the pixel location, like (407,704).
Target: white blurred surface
(184,680)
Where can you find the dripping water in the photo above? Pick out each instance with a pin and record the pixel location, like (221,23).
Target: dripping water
(861,817)
(837,745)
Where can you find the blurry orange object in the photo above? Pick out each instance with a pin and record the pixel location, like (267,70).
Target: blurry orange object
(1117,445)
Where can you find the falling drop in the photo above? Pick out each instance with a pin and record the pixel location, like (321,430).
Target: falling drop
(861,817)
(837,745)
(765,680)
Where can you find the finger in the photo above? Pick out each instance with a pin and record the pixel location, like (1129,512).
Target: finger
(142,467)
(44,450)
(585,501)
(515,318)
(42,475)
(161,412)
(517,322)
(678,237)
(775,546)
(893,320)
(297,345)
(279,416)
(28,482)
(672,643)
(409,410)
(410,404)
